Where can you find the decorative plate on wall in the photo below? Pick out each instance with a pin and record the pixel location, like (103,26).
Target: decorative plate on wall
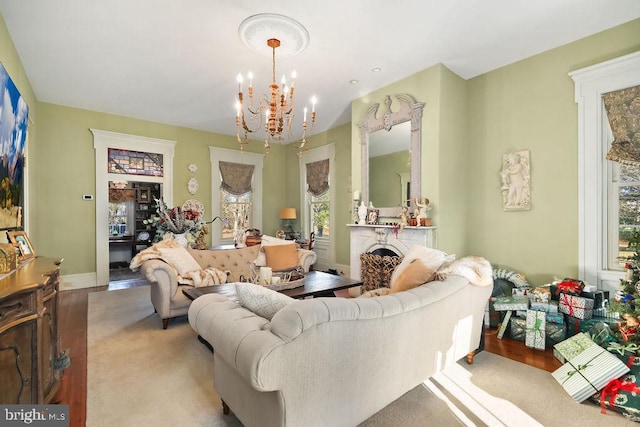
(193,205)
(193,185)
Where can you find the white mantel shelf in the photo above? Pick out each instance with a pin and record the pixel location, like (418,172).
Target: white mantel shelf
(406,227)
(369,237)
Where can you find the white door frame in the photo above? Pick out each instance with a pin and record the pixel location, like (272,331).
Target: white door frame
(102,141)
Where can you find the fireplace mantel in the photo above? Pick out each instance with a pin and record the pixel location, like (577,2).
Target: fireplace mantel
(368,238)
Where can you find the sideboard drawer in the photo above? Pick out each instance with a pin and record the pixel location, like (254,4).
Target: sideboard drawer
(17,306)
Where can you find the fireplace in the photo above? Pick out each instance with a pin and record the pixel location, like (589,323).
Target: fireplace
(386,239)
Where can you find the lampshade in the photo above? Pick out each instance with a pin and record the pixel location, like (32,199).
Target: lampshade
(288,213)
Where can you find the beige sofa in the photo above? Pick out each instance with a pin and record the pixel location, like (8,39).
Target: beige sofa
(166,292)
(336,361)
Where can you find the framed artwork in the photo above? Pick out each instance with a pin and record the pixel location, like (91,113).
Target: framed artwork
(20,240)
(372,216)
(13,125)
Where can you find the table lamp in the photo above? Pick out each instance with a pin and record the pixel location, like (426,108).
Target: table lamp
(287,215)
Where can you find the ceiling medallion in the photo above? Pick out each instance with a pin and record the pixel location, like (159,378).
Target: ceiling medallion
(256,29)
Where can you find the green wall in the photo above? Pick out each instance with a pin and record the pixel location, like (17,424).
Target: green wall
(530,105)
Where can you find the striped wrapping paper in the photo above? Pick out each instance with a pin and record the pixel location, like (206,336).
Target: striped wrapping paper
(589,372)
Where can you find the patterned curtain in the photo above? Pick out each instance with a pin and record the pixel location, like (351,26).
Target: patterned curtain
(623,113)
(236,177)
(318,177)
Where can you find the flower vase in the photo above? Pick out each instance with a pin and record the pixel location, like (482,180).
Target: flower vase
(181,239)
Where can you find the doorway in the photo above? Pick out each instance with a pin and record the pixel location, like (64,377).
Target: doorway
(103,141)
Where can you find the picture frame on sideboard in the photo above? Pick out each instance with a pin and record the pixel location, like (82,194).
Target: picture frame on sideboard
(20,240)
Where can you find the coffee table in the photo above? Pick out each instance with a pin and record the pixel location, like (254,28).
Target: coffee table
(316,284)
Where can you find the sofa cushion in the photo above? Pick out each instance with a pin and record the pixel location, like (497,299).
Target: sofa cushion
(179,258)
(260,300)
(414,275)
(430,257)
(261,260)
(282,257)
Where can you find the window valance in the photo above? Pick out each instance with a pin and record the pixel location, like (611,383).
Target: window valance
(318,177)
(236,177)
(623,114)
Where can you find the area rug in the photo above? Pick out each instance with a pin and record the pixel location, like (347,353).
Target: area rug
(140,374)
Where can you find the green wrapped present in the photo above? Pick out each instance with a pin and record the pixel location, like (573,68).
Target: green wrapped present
(589,372)
(571,347)
(517,328)
(536,329)
(556,333)
(622,394)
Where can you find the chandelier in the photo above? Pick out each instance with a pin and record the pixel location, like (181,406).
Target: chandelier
(273,112)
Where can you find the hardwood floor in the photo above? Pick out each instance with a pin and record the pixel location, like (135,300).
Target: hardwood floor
(73,307)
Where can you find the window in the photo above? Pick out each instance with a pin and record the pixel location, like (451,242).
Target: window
(607,193)
(624,213)
(236,192)
(319,214)
(236,213)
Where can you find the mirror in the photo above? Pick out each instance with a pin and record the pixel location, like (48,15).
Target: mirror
(390,165)
(390,139)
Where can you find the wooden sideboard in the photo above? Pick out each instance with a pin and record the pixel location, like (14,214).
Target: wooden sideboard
(29,332)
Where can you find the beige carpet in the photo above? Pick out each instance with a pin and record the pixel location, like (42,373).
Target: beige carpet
(140,375)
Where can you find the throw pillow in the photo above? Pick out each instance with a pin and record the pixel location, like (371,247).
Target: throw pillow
(430,257)
(179,258)
(282,257)
(260,300)
(261,261)
(413,276)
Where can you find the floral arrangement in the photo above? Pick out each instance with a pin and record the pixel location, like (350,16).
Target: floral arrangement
(176,221)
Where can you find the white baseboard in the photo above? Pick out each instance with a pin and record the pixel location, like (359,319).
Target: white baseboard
(71,282)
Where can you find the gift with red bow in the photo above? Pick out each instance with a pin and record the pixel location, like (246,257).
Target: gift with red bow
(570,286)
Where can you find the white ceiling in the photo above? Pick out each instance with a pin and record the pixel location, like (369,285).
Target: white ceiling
(176,62)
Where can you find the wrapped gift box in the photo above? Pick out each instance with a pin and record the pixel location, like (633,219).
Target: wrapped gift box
(579,307)
(623,394)
(547,307)
(589,372)
(517,328)
(598,297)
(555,333)
(555,318)
(511,303)
(536,329)
(540,294)
(571,347)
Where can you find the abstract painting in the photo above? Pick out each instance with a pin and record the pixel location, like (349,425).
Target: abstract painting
(14,114)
